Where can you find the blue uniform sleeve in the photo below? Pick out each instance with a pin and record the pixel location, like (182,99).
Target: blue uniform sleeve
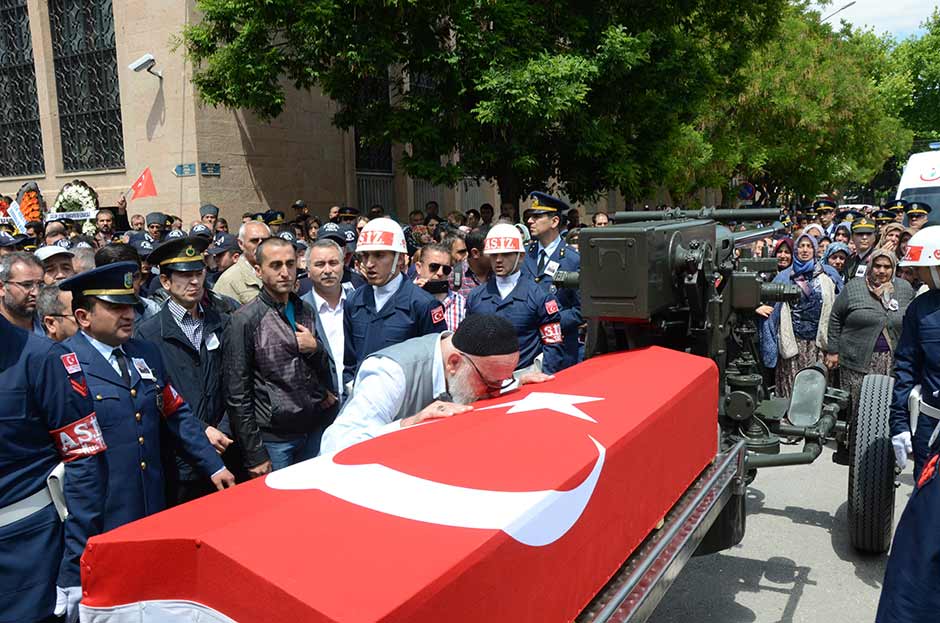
(183,425)
(430,318)
(569,300)
(908,361)
(350,359)
(63,397)
(550,334)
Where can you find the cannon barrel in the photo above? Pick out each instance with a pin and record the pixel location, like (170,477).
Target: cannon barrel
(720,215)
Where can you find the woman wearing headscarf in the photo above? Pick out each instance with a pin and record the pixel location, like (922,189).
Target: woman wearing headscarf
(795,336)
(835,256)
(865,323)
(891,238)
(842,233)
(783,251)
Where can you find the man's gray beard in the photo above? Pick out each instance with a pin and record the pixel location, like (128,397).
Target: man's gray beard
(458,386)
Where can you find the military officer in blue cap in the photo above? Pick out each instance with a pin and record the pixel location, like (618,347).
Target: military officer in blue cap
(133,396)
(532,311)
(825,213)
(897,207)
(917,213)
(547,254)
(188,332)
(46,419)
(882,218)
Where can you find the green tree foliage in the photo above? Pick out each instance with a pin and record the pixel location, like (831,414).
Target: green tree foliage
(596,95)
(918,58)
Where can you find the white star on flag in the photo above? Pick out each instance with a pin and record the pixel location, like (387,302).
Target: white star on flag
(562,403)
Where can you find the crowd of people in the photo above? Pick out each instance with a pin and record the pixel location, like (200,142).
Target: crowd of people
(186,360)
(165,362)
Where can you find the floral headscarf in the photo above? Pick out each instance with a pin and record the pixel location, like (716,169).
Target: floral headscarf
(885,291)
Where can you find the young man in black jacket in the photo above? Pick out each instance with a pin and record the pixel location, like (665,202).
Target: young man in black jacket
(188,332)
(276,373)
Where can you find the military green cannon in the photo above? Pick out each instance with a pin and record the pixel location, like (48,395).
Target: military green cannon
(677,279)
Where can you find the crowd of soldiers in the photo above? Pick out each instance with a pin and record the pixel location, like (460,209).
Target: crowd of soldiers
(147,365)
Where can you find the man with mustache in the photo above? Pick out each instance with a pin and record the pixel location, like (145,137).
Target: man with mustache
(21,277)
(133,396)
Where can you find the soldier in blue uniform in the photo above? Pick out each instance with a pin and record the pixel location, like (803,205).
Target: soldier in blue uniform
(917,356)
(549,254)
(132,396)
(532,311)
(46,417)
(909,593)
(390,309)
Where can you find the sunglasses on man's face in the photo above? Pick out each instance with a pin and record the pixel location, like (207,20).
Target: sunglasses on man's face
(445,268)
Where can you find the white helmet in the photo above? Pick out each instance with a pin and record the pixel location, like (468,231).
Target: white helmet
(503,238)
(382,234)
(923,249)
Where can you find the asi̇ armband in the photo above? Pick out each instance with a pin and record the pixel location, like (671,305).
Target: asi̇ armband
(79,439)
(169,401)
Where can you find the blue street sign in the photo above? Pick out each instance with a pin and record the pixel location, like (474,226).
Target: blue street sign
(210,169)
(185,170)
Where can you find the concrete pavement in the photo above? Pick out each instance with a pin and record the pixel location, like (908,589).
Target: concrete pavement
(795,564)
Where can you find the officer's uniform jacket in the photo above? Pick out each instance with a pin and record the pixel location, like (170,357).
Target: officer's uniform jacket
(563,258)
(409,312)
(533,312)
(46,417)
(917,362)
(131,419)
(195,374)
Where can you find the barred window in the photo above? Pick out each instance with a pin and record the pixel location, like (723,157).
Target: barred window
(20,134)
(85,59)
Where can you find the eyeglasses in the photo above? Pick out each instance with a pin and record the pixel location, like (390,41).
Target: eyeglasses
(72,316)
(445,268)
(492,386)
(28,286)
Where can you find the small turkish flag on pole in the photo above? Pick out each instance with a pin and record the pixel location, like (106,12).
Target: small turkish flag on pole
(143,186)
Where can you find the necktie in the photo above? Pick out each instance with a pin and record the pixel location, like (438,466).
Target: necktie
(122,365)
(542,258)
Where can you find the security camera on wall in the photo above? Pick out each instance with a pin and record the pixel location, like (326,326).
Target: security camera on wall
(145,63)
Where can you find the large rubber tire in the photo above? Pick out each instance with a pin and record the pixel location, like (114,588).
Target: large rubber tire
(871,468)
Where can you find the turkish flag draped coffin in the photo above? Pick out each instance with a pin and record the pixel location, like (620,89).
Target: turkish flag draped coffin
(520,510)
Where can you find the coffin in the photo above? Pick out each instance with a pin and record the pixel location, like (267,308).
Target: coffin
(520,510)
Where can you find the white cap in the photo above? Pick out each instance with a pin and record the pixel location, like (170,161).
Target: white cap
(923,249)
(44,253)
(503,238)
(382,234)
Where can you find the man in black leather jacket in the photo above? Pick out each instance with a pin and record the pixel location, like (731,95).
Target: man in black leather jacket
(276,373)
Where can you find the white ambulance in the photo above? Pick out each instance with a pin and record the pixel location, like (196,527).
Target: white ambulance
(921,181)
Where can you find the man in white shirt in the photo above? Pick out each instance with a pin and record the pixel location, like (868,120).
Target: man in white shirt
(427,377)
(325,269)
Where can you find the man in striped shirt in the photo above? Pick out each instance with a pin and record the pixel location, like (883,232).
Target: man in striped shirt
(472,267)
(433,267)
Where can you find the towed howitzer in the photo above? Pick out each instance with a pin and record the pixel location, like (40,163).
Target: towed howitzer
(674,279)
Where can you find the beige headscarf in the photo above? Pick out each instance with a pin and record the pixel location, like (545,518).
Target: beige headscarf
(885,291)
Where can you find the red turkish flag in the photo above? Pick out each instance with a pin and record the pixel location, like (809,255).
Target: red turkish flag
(143,186)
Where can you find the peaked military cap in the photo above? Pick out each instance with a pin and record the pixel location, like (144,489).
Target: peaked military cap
(862,225)
(180,253)
(348,211)
(848,216)
(883,217)
(543,203)
(898,205)
(824,205)
(113,283)
(918,208)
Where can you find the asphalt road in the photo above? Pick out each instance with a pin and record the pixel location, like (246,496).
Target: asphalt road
(795,564)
